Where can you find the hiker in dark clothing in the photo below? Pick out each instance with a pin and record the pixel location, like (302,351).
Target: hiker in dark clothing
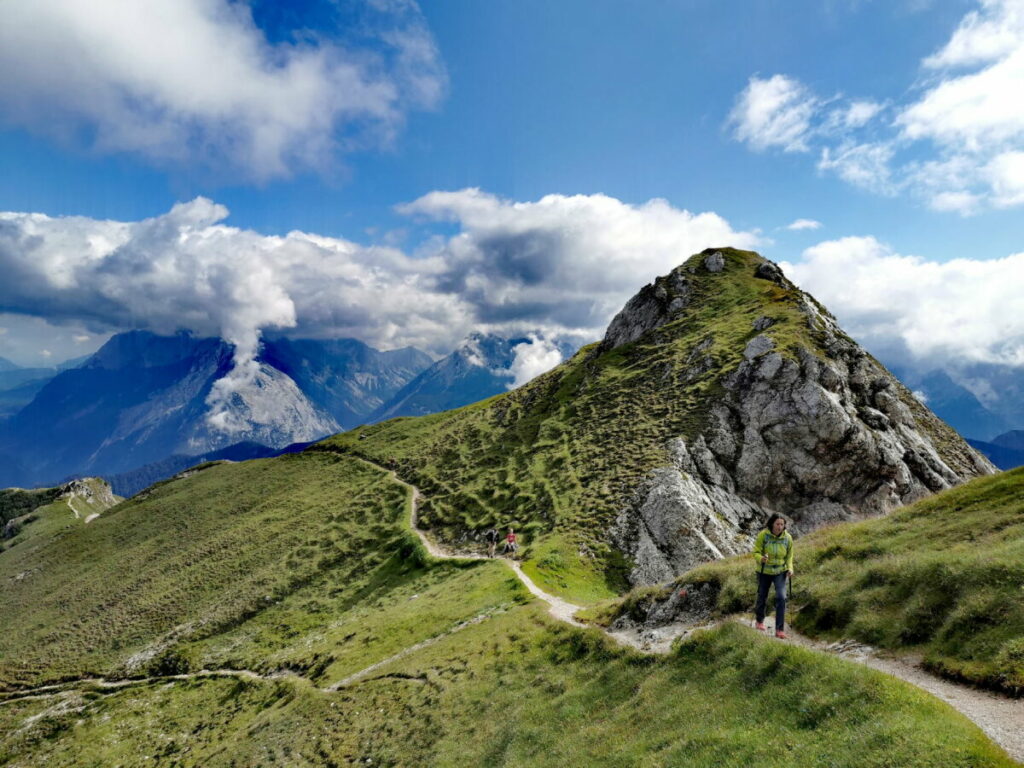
(491,537)
(773,553)
(510,543)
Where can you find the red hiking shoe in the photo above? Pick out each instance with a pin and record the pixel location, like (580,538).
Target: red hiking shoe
(759,625)
(780,634)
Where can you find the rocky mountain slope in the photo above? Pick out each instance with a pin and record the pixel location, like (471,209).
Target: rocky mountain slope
(720,393)
(143,397)
(476,370)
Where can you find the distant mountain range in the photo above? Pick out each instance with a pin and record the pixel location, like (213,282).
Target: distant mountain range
(19,385)
(980,401)
(1005,451)
(136,410)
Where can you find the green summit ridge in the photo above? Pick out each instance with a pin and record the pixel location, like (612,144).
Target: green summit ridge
(561,457)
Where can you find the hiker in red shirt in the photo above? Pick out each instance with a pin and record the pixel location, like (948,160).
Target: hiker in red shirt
(510,543)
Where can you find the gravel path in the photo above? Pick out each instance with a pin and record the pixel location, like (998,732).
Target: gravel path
(1000,717)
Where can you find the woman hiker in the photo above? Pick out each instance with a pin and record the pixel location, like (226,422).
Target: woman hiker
(773,553)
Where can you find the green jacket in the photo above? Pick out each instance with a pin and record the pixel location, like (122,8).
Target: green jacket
(779,550)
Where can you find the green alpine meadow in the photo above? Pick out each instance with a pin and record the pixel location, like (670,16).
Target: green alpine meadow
(289,611)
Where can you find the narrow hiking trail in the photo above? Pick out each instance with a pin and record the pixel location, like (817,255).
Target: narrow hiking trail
(1000,717)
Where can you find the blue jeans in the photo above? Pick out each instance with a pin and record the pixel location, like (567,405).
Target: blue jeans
(764,581)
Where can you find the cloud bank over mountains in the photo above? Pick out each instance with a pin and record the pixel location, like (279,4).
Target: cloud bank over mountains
(958,144)
(560,266)
(205,86)
(555,268)
(948,314)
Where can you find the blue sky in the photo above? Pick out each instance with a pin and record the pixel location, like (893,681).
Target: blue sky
(736,110)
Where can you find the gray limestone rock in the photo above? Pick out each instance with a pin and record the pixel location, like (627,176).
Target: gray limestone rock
(819,435)
(651,308)
(714,262)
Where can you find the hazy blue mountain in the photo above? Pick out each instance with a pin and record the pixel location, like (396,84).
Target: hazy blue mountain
(19,385)
(478,369)
(131,482)
(1000,455)
(141,399)
(954,403)
(345,377)
(17,397)
(1014,440)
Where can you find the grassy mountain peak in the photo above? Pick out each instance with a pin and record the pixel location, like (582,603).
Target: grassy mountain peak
(682,382)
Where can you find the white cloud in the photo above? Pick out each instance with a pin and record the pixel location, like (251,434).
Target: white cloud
(531,359)
(81,338)
(801,224)
(863,165)
(775,112)
(954,145)
(185,81)
(965,310)
(1005,173)
(46,353)
(571,260)
(860,113)
(561,265)
(964,203)
(983,36)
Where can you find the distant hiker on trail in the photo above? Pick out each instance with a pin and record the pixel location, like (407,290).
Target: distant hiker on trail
(491,537)
(510,543)
(773,554)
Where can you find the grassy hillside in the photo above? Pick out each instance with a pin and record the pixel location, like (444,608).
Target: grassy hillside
(43,513)
(561,456)
(302,569)
(15,502)
(943,578)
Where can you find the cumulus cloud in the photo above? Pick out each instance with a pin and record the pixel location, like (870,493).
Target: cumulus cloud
(561,265)
(569,260)
(774,112)
(801,224)
(948,313)
(955,143)
(531,359)
(196,80)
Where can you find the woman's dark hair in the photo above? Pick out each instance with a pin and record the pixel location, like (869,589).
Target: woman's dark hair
(771,521)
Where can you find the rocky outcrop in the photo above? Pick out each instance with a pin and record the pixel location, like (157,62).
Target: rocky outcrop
(93,490)
(819,431)
(651,308)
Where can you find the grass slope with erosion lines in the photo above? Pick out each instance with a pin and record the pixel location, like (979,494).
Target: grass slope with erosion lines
(559,457)
(326,539)
(943,577)
(519,690)
(226,567)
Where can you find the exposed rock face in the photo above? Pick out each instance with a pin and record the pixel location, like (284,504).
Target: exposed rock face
(654,306)
(94,490)
(819,434)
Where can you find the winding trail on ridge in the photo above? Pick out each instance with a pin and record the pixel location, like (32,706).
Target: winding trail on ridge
(1000,717)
